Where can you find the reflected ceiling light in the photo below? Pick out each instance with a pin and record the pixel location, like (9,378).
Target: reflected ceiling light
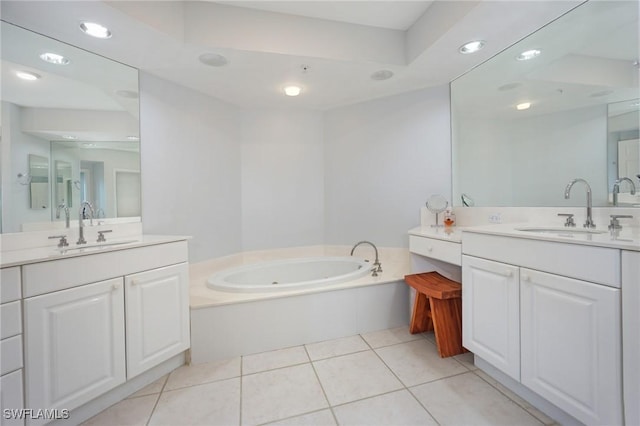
(129,94)
(69,137)
(89,145)
(292,90)
(213,59)
(27,75)
(95,30)
(382,75)
(471,47)
(133,138)
(54,58)
(523,106)
(509,86)
(529,54)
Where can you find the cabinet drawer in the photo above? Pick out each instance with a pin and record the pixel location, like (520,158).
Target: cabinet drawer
(45,277)
(10,319)
(10,282)
(11,396)
(11,354)
(446,251)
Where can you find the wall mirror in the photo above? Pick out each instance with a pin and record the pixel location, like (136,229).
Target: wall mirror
(551,108)
(75,111)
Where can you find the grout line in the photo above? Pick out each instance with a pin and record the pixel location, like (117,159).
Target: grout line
(240,399)
(322,387)
(153,410)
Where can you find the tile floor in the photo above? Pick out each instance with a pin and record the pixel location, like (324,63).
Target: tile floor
(388,377)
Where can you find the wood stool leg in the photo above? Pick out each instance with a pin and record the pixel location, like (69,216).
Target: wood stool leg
(421,316)
(447,323)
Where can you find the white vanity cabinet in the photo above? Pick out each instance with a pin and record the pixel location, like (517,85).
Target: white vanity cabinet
(491,313)
(76,347)
(631,335)
(93,322)
(571,345)
(11,371)
(529,312)
(157,313)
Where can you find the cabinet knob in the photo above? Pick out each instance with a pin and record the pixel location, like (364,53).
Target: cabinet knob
(115,287)
(134,282)
(508,274)
(429,249)
(526,278)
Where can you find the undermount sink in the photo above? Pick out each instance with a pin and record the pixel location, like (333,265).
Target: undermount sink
(570,231)
(92,247)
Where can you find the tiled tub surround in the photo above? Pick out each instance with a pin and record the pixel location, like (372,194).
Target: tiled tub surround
(387,377)
(225,324)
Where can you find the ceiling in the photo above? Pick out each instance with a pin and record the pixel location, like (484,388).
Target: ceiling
(267,43)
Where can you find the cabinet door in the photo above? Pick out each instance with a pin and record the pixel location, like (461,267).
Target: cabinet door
(74,347)
(491,313)
(157,306)
(571,345)
(11,399)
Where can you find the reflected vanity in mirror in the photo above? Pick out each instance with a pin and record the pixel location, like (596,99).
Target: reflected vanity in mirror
(557,105)
(73,125)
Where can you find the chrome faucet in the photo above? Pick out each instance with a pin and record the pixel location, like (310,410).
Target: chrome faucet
(63,206)
(377,266)
(589,222)
(616,188)
(82,215)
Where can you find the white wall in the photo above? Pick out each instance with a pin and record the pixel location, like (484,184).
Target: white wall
(383,159)
(282,178)
(191,166)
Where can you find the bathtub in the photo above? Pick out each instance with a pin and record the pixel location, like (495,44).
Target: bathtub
(289,274)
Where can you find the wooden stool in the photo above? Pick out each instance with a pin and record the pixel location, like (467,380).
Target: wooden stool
(438,307)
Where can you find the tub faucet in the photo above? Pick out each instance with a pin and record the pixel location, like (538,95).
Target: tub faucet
(82,215)
(63,206)
(377,266)
(589,222)
(616,188)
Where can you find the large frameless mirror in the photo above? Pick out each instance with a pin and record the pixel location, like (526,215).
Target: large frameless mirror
(553,107)
(70,128)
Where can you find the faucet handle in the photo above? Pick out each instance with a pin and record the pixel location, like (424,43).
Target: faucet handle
(569,222)
(101,238)
(615,224)
(63,240)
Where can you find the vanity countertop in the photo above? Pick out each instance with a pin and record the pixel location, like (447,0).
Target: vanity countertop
(452,234)
(42,254)
(628,238)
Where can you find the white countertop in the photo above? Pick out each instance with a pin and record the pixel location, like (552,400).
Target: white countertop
(453,234)
(628,238)
(42,254)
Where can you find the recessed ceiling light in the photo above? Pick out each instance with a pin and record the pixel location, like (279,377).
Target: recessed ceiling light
(27,75)
(523,106)
(95,30)
(88,145)
(528,54)
(292,90)
(133,138)
(54,58)
(69,137)
(471,47)
(635,104)
(213,59)
(382,75)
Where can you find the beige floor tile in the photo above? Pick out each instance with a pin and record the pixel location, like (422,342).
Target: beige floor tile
(378,339)
(466,359)
(466,399)
(190,375)
(337,347)
(216,403)
(430,336)
(319,418)
(274,359)
(128,412)
(396,408)
(351,377)
(279,394)
(418,362)
(151,388)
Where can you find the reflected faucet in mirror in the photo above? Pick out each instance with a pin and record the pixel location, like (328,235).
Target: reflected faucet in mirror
(567,192)
(616,188)
(82,214)
(63,206)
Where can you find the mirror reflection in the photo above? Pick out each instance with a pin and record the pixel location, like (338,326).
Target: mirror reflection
(554,107)
(72,126)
